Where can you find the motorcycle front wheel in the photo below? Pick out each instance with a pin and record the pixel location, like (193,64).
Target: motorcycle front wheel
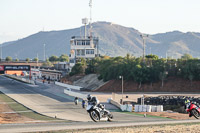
(94,115)
(195,113)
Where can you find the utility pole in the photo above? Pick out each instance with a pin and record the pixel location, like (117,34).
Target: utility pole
(44,52)
(37,59)
(90,4)
(143,39)
(121,77)
(150,50)
(91,39)
(1,52)
(85,22)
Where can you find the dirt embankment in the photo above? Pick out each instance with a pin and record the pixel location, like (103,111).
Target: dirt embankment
(170,85)
(70,79)
(89,81)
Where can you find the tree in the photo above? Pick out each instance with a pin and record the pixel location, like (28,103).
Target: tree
(47,64)
(8,58)
(151,56)
(186,56)
(77,69)
(191,77)
(90,66)
(141,74)
(36,59)
(163,75)
(27,59)
(53,58)
(16,59)
(106,57)
(64,58)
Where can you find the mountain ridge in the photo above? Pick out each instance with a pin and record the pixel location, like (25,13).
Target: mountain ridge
(114,40)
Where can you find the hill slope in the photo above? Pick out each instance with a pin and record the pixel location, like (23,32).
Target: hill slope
(115,40)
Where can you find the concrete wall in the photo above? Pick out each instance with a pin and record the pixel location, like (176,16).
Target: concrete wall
(126,107)
(68,86)
(75,94)
(21,79)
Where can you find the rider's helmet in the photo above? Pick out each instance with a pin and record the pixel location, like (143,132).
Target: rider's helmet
(89,97)
(187,101)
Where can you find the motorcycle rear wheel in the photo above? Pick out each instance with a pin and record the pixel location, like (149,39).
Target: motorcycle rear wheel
(110,117)
(94,115)
(195,113)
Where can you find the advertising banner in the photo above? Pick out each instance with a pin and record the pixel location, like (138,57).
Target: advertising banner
(17,67)
(1,68)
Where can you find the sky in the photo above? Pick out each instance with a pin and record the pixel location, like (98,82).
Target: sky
(21,18)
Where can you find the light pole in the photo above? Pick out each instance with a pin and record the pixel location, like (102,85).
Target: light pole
(37,59)
(1,51)
(121,77)
(143,39)
(150,50)
(44,52)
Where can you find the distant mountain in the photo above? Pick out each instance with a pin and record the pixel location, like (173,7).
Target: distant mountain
(115,40)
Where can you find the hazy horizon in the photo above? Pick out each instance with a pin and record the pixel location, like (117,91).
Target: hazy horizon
(22,18)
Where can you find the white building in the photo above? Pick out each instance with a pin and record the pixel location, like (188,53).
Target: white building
(36,73)
(62,66)
(83,47)
(51,74)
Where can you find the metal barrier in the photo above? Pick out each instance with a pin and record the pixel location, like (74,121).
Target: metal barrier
(168,100)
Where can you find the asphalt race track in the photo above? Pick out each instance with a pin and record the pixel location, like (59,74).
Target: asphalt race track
(50,100)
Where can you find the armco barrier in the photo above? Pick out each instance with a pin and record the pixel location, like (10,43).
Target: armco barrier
(75,94)
(68,86)
(115,103)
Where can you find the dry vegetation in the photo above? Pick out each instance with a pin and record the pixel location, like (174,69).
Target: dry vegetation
(11,117)
(184,128)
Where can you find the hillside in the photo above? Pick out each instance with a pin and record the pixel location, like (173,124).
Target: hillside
(172,84)
(115,40)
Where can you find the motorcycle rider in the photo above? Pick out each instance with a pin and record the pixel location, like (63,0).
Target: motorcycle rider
(83,103)
(187,105)
(92,100)
(76,100)
(187,102)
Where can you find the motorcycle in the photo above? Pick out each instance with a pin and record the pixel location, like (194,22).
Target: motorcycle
(99,113)
(193,109)
(76,100)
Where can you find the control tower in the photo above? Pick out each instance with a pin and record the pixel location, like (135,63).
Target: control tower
(84,46)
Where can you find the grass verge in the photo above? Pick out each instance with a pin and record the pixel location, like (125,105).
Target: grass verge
(148,116)
(15,106)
